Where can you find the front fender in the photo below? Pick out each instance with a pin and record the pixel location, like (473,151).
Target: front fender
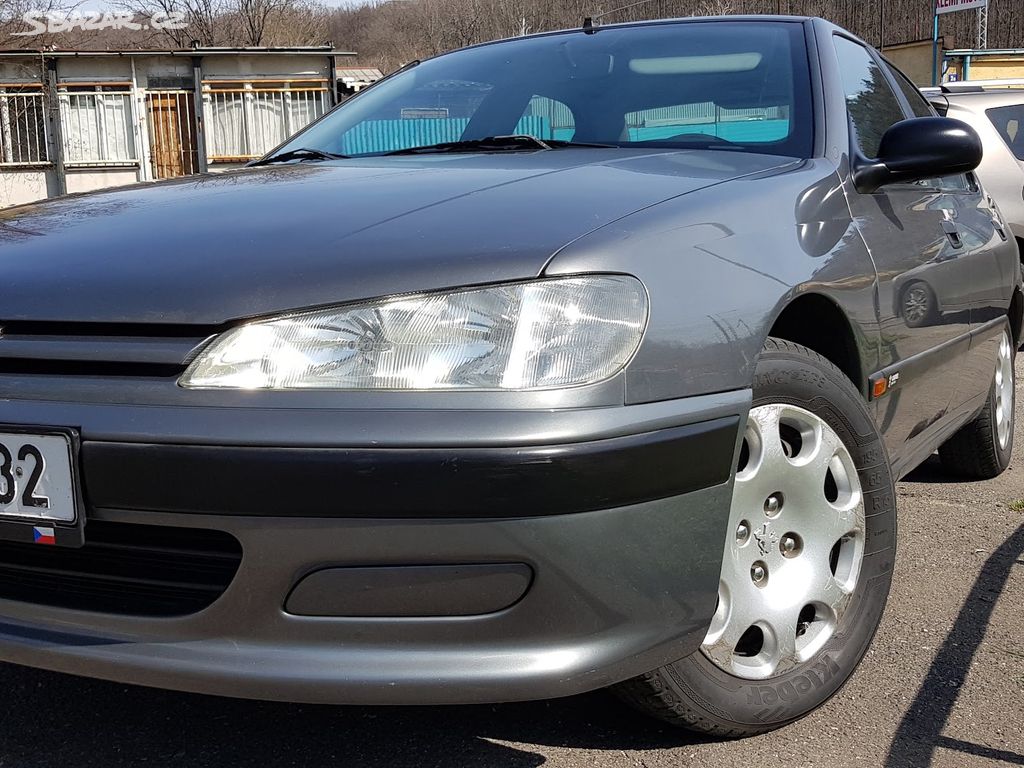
(720,266)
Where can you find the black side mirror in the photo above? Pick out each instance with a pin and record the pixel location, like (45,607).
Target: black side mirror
(920,148)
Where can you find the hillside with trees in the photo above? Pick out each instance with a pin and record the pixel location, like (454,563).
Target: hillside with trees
(388,33)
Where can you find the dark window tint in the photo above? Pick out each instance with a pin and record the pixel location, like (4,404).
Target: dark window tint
(918,104)
(1009,121)
(872,105)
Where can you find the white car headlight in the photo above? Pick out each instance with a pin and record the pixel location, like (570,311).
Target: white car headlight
(541,334)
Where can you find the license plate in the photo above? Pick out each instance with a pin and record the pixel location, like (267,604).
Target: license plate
(38,492)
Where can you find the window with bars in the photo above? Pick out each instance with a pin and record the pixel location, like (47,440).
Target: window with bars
(98,128)
(22,125)
(247,120)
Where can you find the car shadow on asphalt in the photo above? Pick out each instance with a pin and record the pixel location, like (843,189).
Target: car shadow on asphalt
(932,472)
(920,733)
(56,720)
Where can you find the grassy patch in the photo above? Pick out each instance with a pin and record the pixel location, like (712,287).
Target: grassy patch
(1017,506)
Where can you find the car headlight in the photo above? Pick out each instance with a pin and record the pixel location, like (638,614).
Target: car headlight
(540,334)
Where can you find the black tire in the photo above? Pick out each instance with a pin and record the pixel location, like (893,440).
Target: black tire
(696,693)
(974,451)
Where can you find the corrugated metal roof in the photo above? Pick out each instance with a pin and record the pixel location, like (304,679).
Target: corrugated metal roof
(359,75)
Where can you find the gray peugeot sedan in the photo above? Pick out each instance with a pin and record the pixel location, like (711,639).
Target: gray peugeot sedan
(577,360)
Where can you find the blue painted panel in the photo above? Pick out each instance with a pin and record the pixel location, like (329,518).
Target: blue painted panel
(743,131)
(390,135)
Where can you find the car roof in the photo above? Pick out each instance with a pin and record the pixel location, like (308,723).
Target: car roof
(598,25)
(979,100)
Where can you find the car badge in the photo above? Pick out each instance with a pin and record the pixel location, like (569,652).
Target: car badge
(766,539)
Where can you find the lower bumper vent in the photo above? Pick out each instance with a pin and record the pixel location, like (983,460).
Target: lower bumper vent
(141,570)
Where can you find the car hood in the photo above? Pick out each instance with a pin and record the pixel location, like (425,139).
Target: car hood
(214,248)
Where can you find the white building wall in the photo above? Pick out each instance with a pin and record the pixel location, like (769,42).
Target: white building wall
(25,185)
(86,180)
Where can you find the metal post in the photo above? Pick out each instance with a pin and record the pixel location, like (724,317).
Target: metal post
(141,134)
(935,48)
(56,129)
(881,25)
(332,78)
(982,41)
(197,117)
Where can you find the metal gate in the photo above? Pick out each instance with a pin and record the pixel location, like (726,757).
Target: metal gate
(172,133)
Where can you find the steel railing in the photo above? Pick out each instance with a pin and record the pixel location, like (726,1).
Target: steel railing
(245,123)
(23,138)
(98,128)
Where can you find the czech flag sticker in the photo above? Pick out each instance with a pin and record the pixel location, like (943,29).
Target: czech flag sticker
(43,535)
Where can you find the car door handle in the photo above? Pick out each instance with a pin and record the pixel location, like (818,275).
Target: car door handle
(997,220)
(952,233)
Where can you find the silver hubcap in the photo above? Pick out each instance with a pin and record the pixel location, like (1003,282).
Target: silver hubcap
(795,546)
(1004,392)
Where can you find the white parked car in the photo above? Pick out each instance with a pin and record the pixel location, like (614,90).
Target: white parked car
(996,112)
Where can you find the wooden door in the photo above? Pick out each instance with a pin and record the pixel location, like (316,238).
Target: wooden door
(172,140)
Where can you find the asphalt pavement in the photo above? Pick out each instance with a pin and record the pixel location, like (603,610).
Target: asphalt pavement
(943,685)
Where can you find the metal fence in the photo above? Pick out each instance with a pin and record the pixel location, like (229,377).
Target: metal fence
(700,113)
(98,128)
(22,126)
(390,135)
(100,125)
(247,122)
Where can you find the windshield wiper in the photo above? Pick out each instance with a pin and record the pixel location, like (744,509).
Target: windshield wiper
(513,143)
(559,144)
(302,153)
(690,141)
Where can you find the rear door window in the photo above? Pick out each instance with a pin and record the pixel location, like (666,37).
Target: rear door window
(1009,121)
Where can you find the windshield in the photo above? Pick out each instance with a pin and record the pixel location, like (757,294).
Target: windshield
(734,86)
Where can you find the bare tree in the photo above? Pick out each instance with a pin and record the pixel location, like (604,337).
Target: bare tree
(254,16)
(13,25)
(298,23)
(389,33)
(203,19)
(714,8)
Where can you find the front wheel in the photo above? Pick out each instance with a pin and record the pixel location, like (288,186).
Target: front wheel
(808,558)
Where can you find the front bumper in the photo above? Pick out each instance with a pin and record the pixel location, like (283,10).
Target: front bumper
(612,523)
